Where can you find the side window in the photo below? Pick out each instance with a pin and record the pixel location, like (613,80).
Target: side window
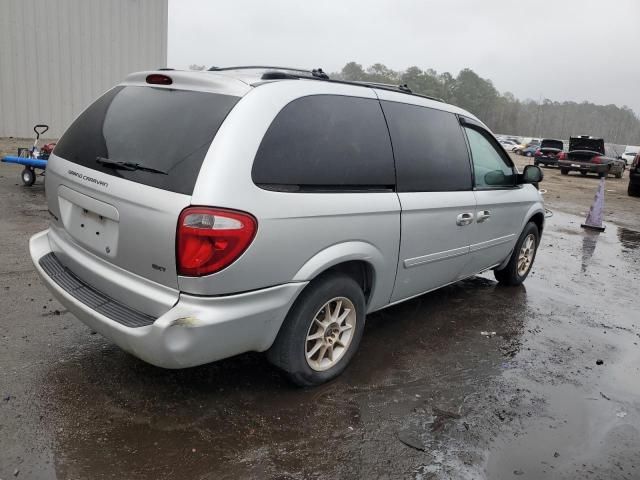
(489,167)
(429,147)
(326,142)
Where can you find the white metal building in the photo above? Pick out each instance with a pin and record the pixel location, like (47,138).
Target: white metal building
(57,56)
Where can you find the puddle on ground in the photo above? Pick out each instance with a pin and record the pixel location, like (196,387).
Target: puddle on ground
(629,238)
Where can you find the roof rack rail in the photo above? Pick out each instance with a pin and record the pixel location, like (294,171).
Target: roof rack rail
(387,86)
(282,73)
(403,88)
(316,72)
(258,67)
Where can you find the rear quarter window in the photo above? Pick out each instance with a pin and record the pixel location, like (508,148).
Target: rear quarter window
(164,129)
(326,142)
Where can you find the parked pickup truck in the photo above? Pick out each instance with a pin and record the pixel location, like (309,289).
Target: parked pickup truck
(587,155)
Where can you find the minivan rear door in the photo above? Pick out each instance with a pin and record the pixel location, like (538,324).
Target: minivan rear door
(434,187)
(121,174)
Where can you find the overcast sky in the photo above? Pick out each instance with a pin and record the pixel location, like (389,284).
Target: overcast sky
(557,49)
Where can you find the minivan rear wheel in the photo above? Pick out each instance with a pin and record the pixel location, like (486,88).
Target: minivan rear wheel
(522,257)
(321,332)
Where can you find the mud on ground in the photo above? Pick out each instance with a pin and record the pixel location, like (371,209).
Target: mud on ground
(472,381)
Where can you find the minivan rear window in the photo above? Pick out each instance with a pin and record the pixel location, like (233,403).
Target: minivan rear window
(158,128)
(326,143)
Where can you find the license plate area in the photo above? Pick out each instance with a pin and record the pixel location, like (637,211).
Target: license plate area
(91,223)
(576,165)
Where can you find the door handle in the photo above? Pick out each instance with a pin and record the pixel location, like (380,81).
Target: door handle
(464,219)
(483,215)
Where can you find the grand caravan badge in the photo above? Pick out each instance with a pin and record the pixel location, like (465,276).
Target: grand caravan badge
(86,178)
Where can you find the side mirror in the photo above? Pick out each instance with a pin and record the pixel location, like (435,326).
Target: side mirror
(495,178)
(532,174)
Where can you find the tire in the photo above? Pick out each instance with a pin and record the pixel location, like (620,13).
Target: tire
(619,174)
(583,173)
(605,174)
(564,171)
(633,190)
(28,176)
(536,163)
(529,154)
(290,349)
(511,275)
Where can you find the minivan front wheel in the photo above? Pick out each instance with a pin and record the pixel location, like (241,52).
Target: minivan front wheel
(522,257)
(322,331)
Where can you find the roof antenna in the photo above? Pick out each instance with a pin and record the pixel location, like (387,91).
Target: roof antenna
(317,72)
(404,88)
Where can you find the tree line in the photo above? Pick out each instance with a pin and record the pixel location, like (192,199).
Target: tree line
(503,112)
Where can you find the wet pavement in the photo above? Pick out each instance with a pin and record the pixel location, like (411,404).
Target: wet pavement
(432,393)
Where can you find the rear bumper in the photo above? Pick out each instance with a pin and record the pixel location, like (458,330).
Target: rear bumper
(547,160)
(196,330)
(584,166)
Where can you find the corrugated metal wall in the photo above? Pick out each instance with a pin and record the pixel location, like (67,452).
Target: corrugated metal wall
(57,56)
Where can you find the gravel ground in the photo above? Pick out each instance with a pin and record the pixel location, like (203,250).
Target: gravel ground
(553,393)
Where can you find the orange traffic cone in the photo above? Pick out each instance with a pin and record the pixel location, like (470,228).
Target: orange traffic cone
(594,218)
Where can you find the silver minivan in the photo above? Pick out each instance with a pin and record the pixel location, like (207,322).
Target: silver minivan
(199,215)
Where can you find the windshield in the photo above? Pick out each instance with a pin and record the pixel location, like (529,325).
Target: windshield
(162,130)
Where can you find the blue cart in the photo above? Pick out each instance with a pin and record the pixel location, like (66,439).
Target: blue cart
(31,158)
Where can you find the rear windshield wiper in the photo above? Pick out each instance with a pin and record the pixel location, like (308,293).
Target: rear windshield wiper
(127,165)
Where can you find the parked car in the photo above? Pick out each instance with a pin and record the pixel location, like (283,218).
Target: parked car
(199,215)
(547,153)
(520,149)
(634,177)
(587,155)
(508,145)
(630,154)
(529,151)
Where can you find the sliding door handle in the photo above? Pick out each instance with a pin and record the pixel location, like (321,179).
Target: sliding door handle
(464,219)
(483,215)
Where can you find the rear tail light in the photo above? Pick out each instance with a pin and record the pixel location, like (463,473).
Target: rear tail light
(538,153)
(562,156)
(210,239)
(596,160)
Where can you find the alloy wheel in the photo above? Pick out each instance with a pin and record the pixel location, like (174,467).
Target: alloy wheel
(330,333)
